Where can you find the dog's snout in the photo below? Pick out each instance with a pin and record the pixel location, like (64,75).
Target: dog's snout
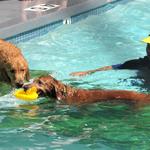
(19,84)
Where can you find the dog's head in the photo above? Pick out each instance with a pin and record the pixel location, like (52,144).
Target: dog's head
(17,72)
(45,85)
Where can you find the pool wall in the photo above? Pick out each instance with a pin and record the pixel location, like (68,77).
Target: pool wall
(34,28)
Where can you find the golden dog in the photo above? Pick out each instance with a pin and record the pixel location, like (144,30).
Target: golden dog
(13,66)
(49,86)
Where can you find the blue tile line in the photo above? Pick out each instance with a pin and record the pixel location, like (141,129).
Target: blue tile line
(27,35)
(96,11)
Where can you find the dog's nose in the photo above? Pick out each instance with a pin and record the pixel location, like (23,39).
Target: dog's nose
(19,84)
(25,87)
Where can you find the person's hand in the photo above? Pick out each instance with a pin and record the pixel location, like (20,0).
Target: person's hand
(80,73)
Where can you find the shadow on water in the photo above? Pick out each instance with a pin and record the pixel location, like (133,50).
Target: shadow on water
(37,73)
(144,75)
(4,88)
(141,80)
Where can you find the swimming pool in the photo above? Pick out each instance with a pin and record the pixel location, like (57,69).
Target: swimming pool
(108,38)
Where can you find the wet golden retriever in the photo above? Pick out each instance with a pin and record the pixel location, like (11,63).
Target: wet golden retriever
(13,66)
(49,86)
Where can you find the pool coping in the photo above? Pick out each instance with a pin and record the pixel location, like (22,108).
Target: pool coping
(57,16)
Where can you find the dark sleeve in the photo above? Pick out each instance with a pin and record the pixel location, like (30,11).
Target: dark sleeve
(134,64)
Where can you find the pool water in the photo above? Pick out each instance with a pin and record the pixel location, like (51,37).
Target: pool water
(108,38)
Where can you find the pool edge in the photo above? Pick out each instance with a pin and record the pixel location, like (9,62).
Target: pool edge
(38,27)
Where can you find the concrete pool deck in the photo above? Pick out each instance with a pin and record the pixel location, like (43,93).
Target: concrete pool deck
(14,19)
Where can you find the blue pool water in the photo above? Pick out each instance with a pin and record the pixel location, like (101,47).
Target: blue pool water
(109,38)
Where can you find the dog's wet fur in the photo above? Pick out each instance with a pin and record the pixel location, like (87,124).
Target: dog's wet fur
(49,86)
(13,66)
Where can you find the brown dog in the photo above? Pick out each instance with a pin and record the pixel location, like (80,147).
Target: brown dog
(47,85)
(13,66)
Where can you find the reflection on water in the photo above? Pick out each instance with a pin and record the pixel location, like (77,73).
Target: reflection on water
(25,4)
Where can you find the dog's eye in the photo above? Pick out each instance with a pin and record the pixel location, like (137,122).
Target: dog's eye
(22,70)
(39,82)
(12,71)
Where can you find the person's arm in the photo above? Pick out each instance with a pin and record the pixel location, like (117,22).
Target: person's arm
(83,73)
(131,64)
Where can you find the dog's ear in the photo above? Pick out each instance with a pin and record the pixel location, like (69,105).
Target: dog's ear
(28,75)
(51,91)
(4,76)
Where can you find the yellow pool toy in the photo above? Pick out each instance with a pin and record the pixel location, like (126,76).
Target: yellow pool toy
(29,95)
(146,40)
